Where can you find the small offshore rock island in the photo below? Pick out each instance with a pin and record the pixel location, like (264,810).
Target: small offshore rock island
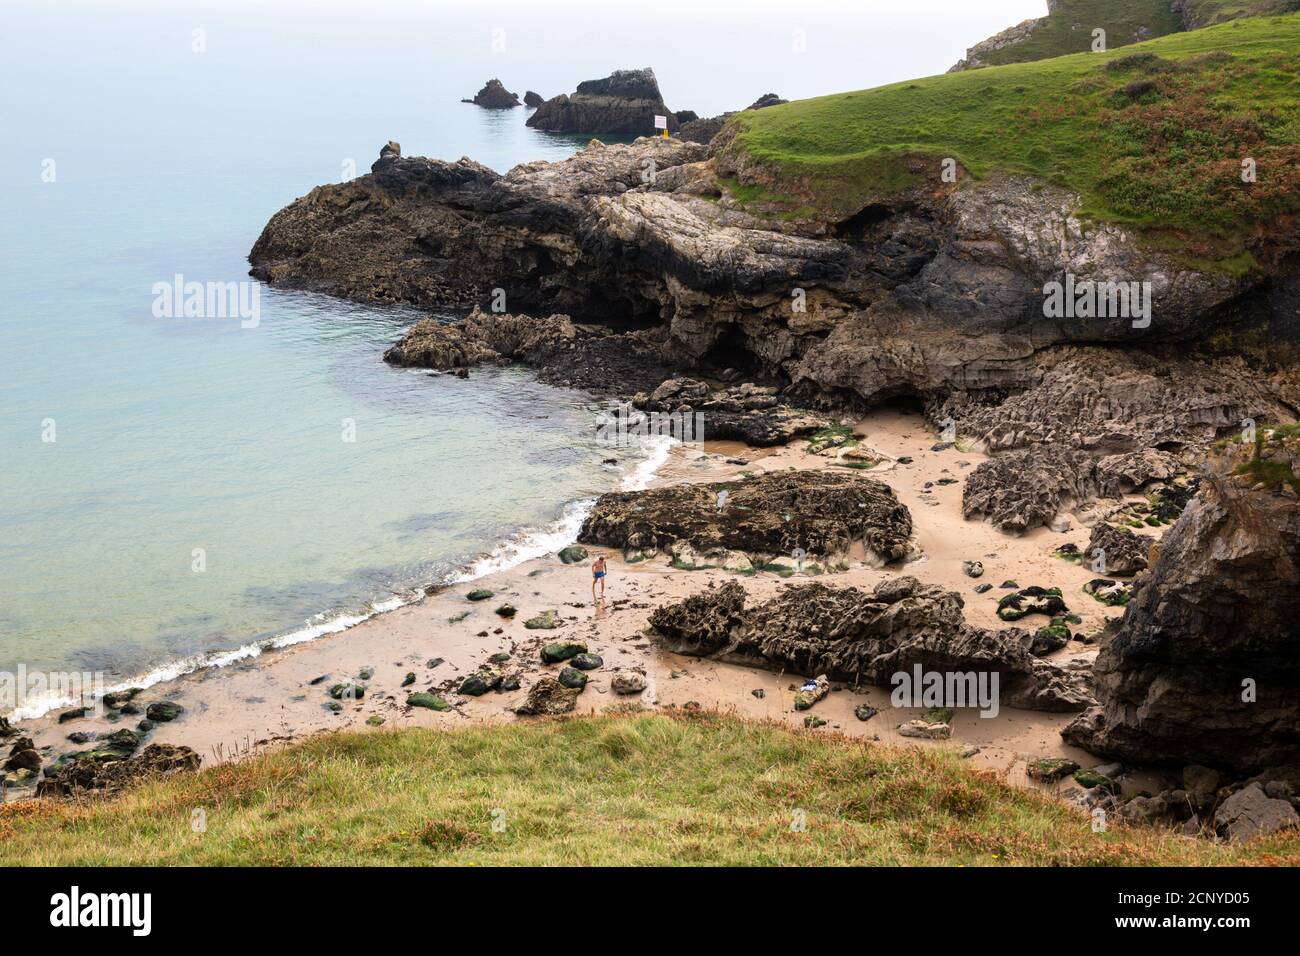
(853,293)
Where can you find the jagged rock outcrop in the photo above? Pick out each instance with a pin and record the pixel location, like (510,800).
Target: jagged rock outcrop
(109,774)
(767,516)
(1117,551)
(1021,490)
(533,100)
(626,102)
(482,337)
(754,414)
(494,96)
(1110,401)
(431,343)
(1205,665)
(865,637)
(1009,37)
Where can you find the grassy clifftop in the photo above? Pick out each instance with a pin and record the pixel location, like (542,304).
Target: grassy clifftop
(1153,135)
(1068,29)
(633,789)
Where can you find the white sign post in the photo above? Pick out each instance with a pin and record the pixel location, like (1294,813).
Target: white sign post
(661,122)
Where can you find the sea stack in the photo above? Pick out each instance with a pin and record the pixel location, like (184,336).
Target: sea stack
(494,96)
(626,102)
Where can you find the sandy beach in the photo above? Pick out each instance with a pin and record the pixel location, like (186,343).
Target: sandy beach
(282,695)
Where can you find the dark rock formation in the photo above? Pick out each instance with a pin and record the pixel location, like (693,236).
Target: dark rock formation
(767,99)
(1205,665)
(701,130)
(434,344)
(1251,812)
(494,96)
(595,358)
(104,773)
(23,755)
(533,100)
(934,295)
(625,102)
(766,516)
(865,637)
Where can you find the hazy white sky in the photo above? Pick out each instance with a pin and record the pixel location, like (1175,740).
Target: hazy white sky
(709,55)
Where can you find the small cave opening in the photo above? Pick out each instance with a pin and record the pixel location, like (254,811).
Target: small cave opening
(859,225)
(731,353)
(908,403)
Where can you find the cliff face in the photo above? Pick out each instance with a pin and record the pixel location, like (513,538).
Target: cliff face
(937,290)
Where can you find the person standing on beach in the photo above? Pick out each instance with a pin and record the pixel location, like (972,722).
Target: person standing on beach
(598,571)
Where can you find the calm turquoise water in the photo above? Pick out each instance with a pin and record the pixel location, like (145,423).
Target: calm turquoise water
(179,434)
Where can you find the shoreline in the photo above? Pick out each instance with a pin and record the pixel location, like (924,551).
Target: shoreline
(279,694)
(524,545)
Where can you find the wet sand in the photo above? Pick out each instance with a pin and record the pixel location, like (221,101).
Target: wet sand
(282,695)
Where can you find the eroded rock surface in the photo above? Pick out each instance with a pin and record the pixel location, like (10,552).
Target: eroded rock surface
(107,774)
(763,517)
(865,637)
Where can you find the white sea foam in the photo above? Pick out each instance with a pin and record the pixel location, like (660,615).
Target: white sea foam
(525,547)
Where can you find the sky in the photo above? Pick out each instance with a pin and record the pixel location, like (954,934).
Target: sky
(709,55)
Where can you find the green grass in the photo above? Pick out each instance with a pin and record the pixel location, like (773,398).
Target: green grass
(1152,136)
(1069,29)
(690,788)
(1207,12)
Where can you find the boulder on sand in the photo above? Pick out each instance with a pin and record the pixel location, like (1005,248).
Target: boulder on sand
(1117,551)
(548,697)
(865,637)
(820,513)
